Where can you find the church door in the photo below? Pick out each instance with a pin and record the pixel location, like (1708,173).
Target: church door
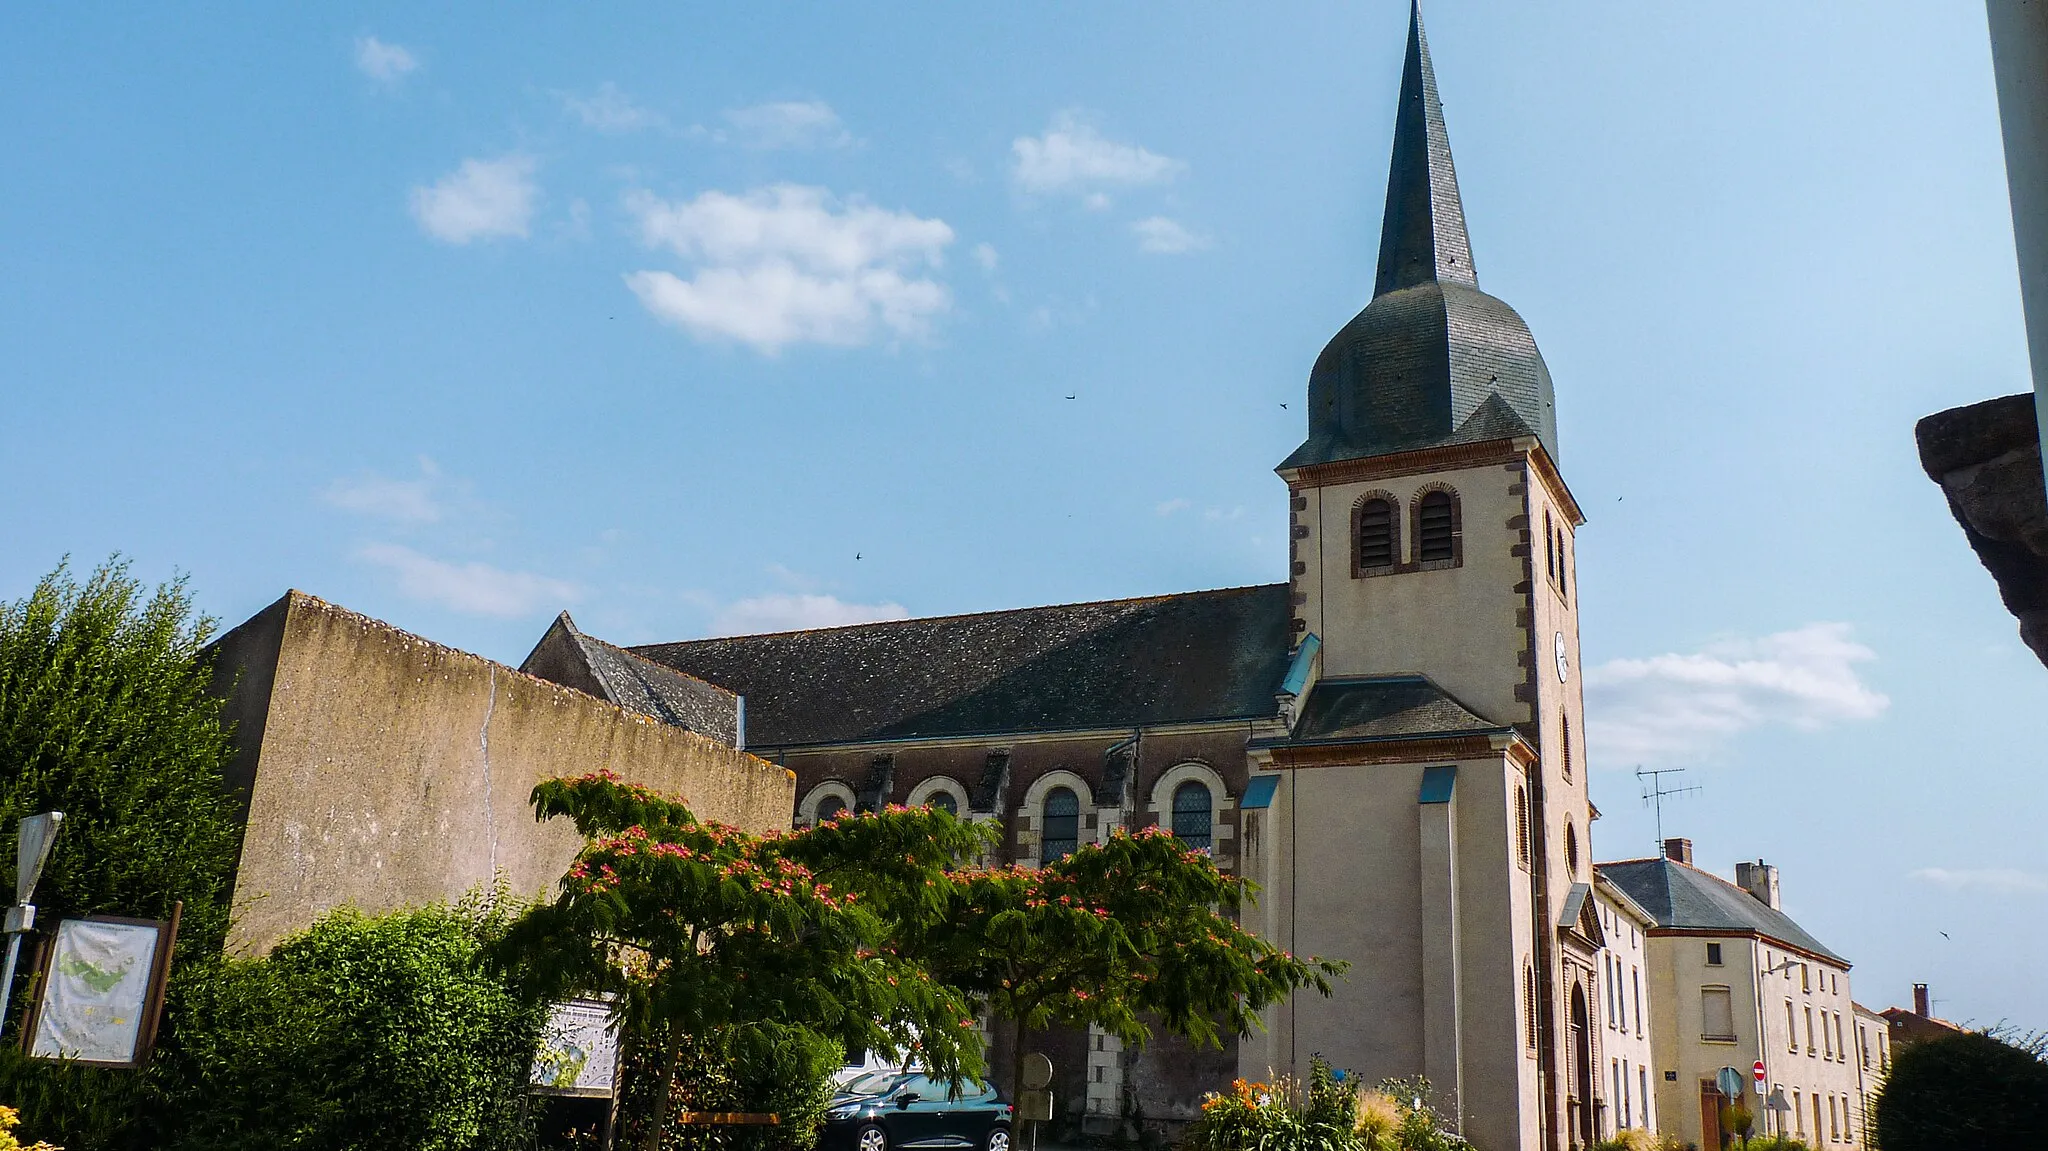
(1582,1070)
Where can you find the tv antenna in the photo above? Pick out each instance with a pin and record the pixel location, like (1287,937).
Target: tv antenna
(1654,793)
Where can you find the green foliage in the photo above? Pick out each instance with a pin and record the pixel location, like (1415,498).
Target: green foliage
(1328,1114)
(1965,1090)
(359,1032)
(1774,1143)
(9,1141)
(705,934)
(104,716)
(1117,935)
(786,1072)
(1643,1139)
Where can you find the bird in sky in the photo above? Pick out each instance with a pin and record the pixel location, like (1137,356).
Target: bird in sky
(1283,406)
(856,555)
(1070,397)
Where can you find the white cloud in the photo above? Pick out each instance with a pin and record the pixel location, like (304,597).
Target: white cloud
(796,124)
(2000,880)
(1167,237)
(1678,708)
(483,199)
(384,63)
(789,264)
(785,611)
(401,501)
(1168,507)
(471,588)
(985,255)
(1071,156)
(609,109)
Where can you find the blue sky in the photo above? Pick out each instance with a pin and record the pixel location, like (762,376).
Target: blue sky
(460,316)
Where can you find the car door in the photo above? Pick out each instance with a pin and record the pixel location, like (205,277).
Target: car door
(921,1122)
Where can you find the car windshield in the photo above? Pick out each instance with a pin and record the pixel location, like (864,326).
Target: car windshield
(874,1082)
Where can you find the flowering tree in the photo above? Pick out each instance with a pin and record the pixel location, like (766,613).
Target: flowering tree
(701,931)
(1113,934)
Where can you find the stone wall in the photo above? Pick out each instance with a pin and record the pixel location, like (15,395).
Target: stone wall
(382,770)
(1987,459)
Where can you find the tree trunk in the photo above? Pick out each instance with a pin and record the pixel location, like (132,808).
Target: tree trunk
(657,1120)
(1017,1062)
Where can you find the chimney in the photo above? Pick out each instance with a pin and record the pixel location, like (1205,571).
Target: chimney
(1920,1003)
(1678,850)
(1760,879)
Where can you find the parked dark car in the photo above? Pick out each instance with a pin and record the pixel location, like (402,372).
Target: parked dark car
(885,1110)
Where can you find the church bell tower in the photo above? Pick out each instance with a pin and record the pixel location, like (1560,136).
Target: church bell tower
(1435,622)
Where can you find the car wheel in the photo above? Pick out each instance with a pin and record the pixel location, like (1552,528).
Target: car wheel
(873,1138)
(998,1140)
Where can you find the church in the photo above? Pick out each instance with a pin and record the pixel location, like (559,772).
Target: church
(1383,741)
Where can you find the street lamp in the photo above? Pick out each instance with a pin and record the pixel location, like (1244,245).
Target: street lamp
(38,835)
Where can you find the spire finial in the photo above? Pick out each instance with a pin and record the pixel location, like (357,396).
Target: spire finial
(1423,235)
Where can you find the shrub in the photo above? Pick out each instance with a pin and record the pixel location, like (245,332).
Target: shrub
(361,1031)
(105,716)
(1964,1090)
(9,1117)
(783,1071)
(1330,1114)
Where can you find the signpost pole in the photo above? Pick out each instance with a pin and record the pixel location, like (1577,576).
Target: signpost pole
(37,834)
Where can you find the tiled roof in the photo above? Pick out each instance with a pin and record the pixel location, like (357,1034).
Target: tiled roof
(1681,896)
(1431,353)
(638,685)
(1383,707)
(1160,659)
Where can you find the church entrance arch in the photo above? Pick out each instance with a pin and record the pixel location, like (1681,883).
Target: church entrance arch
(1581,1119)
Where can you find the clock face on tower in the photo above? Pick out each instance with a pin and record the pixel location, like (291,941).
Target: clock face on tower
(1564,660)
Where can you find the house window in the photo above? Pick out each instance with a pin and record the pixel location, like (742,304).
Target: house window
(1436,528)
(943,801)
(1062,825)
(1193,819)
(1635,979)
(1805,978)
(1643,1093)
(1378,536)
(1607,978)
(830,806)
(1798,1113)
(1614,1077)
(1717,1015)
(1841,1050)
(1791,1028)
(1834,1124)
(1713,955)
(1522,825)
(1816,1118)
(1809,1031)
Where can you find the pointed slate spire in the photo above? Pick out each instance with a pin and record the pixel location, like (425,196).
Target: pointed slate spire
(1423,235)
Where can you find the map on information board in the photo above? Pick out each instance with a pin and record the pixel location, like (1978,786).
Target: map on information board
(98,991)
(579,1050)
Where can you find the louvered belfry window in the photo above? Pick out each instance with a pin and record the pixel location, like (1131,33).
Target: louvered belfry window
(1376,534)
(1436,528)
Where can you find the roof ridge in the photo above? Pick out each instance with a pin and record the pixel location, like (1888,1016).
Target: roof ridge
(880,623)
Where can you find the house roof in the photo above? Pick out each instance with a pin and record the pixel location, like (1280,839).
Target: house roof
(1184,658)
(1432,360)
(1383,707)
(635,684)
(1680,896)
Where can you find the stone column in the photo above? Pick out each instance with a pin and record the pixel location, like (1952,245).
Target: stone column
(1442,1010)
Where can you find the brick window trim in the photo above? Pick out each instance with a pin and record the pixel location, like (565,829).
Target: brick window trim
(1406,526)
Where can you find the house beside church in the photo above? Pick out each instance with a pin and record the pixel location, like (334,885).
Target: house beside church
(1739,982)
(1388,740)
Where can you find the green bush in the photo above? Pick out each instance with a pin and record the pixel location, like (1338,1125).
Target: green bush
(1329,1114)
(783,1071)
(359,1032)
(1964,1090)
(105,716)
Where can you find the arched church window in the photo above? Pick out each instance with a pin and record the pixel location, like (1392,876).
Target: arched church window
(1549,546)
(1571,849)
(1062,825)
(1378,539)
(1563,587)
(1529,1005)
(1193,815)
(830,806)
(1522,825)
(944,801)
(1436,527)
